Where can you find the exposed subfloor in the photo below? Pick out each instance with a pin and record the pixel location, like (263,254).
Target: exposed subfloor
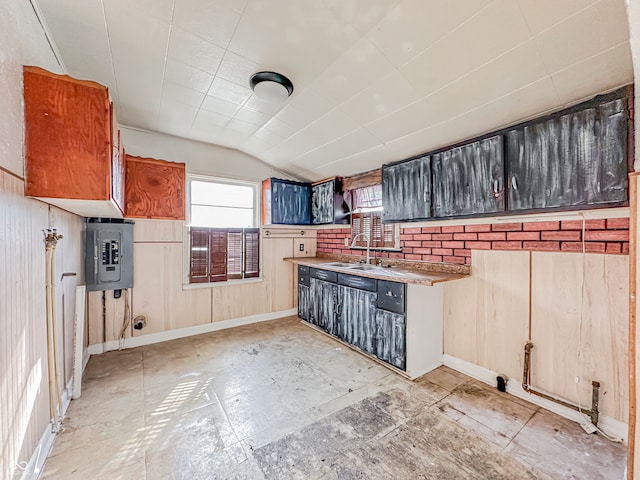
(279,400)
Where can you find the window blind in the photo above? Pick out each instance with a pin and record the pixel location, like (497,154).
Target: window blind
(221,254)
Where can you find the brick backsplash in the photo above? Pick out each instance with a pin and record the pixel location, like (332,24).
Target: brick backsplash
(453,243)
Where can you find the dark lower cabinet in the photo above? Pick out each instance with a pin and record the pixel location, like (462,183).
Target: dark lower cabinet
(357,320)
(469,179)
(324,305)
(366,313)
(391,344)
(575,159)
(304,304)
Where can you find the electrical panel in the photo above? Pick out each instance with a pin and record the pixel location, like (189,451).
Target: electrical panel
(109,254)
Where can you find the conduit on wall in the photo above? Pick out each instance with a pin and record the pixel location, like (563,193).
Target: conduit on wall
(593,413)
(51,238)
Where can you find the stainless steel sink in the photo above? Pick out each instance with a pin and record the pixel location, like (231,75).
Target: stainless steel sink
(365,267)
(337,264)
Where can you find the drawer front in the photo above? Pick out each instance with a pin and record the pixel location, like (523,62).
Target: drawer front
(305,280)
(303,270)
(391,296)
(325,275)
(355,281)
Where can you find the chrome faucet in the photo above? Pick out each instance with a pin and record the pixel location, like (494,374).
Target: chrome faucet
(368,237)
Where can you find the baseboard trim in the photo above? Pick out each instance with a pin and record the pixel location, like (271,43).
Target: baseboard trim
(132,342)
(41,452)
(85,359)
(612,427)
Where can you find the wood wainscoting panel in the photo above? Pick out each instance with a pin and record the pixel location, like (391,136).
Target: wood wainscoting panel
(486,315)
(69,274)
(158,276)
(277,273)
(240,300)
(165,231)
(110,325)
(24,402)
(579,318)
(154,189)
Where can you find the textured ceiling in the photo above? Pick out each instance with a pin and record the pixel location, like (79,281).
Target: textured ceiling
(375,80)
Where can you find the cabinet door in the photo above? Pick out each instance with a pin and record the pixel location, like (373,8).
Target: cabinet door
(324,305)
(68,148)
(357,324)
(406,190)
(290,203)
(322,197)
(154,189)
(304,302)
(391,338)
(572,160)
(469,179)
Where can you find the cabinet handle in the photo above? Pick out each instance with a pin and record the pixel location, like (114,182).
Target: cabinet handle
(496,188)
(424,196)
(267,233)
(514,183)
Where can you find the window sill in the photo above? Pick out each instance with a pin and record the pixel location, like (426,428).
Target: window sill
(228,283)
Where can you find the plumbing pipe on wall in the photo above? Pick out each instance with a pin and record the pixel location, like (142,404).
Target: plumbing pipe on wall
(51,238)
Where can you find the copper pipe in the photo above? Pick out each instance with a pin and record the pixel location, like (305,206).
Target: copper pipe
(526,385)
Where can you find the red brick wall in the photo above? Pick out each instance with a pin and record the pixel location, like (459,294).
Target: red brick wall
(453,244)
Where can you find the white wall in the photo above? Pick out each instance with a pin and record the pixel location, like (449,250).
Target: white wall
(202,158)
(24,405)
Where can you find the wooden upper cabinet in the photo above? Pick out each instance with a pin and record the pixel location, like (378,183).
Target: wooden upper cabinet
(70,144)
(154,189)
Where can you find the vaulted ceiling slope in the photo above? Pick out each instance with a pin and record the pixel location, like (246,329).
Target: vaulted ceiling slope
(375,80)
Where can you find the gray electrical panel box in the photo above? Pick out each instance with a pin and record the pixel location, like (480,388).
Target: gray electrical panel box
(109,254)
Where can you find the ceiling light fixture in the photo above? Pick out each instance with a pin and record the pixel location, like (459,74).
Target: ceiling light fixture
(271,86)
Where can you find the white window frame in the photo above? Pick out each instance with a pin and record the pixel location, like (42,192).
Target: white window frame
(257,204)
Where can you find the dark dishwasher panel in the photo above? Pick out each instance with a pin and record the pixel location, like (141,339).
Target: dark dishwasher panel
(355,281)
(391,296)
(325,275)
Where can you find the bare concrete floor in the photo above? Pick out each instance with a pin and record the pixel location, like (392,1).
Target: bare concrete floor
(279,400)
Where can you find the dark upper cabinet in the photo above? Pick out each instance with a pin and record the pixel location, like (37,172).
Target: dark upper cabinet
(575,159)
(406,190)
(327,203)
(286,202)
(469,180)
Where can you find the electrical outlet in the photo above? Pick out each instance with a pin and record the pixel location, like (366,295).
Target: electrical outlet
(302,247)
(346,241)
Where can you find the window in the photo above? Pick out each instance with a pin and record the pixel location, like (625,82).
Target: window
(369,224)
(224,241)
(366,220)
